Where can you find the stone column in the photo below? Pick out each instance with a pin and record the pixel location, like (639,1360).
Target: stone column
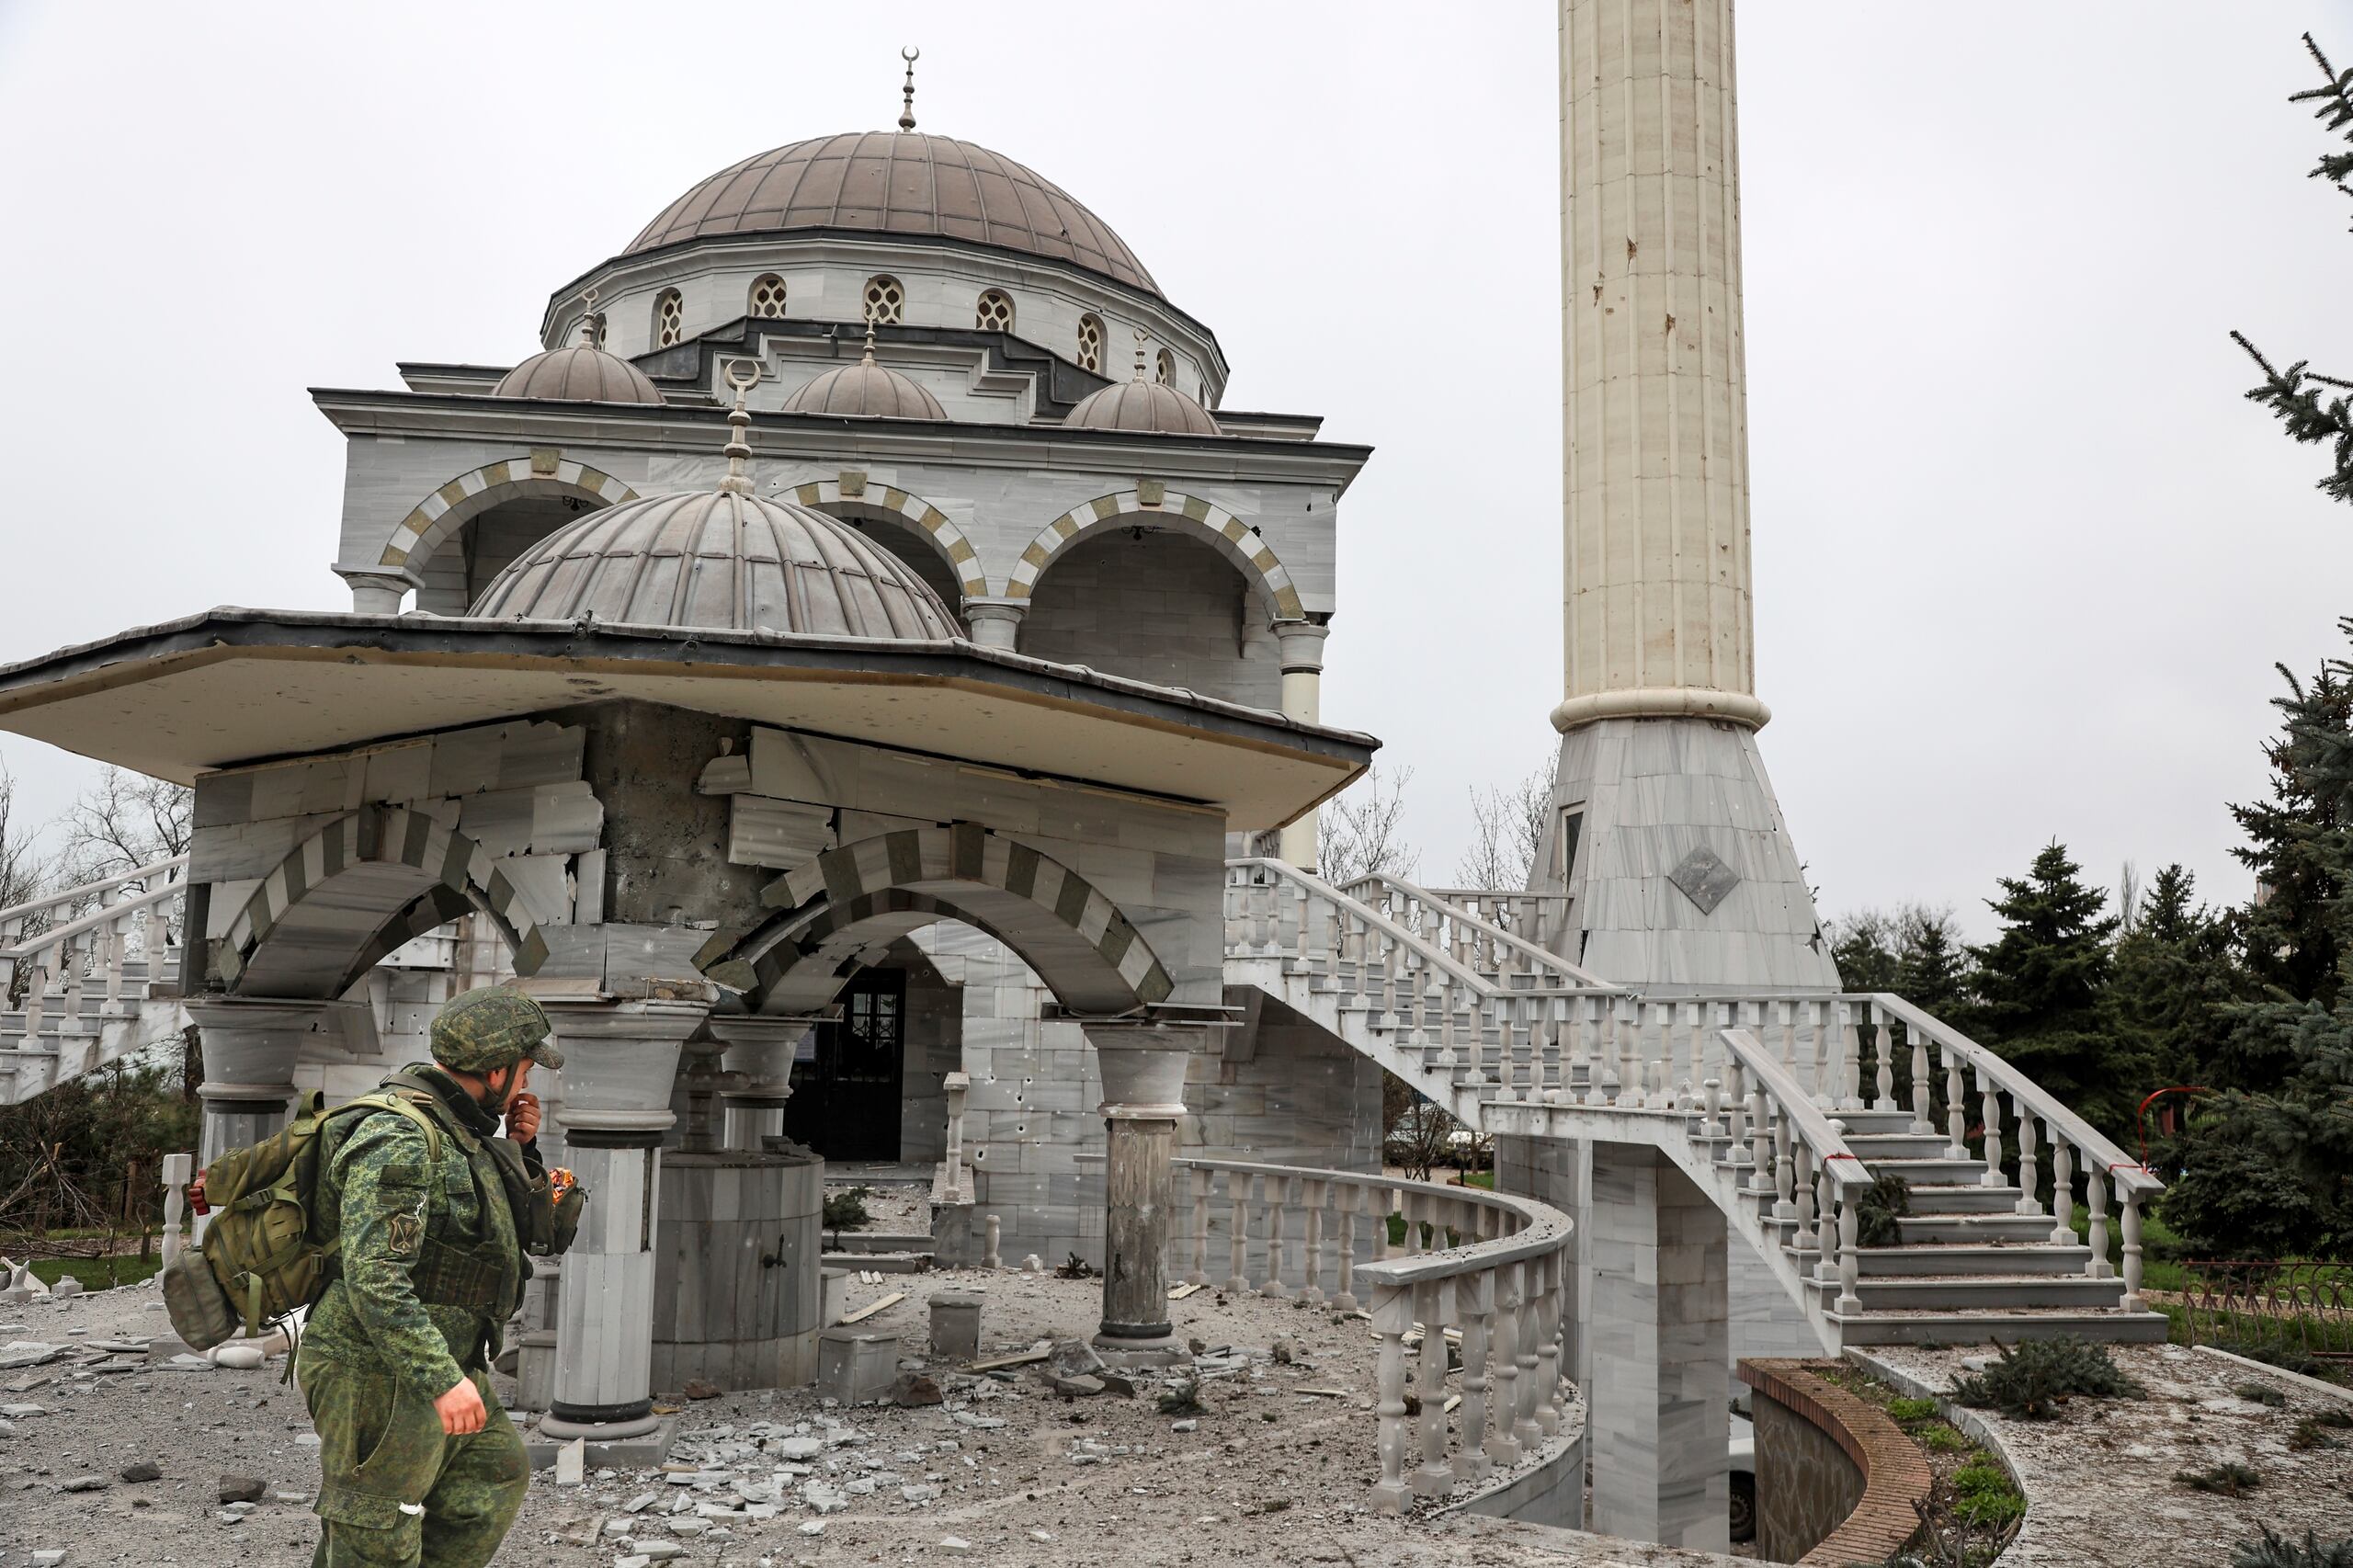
(997,623)
(1143,1093)
(379,592)
(250,1046)
(1300,644)
(1656,1419)
(758,1053)
(621,1059)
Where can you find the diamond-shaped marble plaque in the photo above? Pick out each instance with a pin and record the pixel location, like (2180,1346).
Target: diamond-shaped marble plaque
(1704,879)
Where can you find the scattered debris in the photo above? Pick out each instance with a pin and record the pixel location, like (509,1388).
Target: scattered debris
(867,1311)
(1075,1267)
(701,1388)
(242,1489)
(144,1470)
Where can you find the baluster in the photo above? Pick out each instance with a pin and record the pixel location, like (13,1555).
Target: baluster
(1956,1106)
(1311,1293)
(1435,1476)
(1277,1199)
(1595,1033)
(1238,1192)
(1923,1118)
(1712,1100)
(1883,1047)
(1391,1315)
(1628,1089)
(1850,1056)
(1503,1443)
(1993,1114)
(1527,1349)
(1474,1302)
(36,1002)
(2096,1194)
(1736,1107)
(1200,1274)
(1548,1348)
(1789,1011)
(1803,1182)
(1826,1196)
(1351,1198)
(1556,1050)
(2063,1189)
(2131,1196)
(1659,1070)
(1785,1208)
(1760,1139)
(2029,1166)
(1850,1264)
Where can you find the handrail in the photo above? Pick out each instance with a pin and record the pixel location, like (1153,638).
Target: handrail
(86,890)
(1807,1120)
(97,919)
(1540,956)
(2025,1092)
(1436,955)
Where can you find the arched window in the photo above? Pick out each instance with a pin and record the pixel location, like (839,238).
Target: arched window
(1090,344)
(669,318)
(768,298)
(1165,368)
(884,300)
(994,312)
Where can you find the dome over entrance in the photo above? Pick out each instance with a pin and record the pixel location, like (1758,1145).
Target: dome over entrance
(898,183)
(865,391)
(578,373)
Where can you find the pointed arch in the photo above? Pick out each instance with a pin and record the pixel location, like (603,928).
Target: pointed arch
(441,515)
(850,899)
(358,888)
(853,495)
(1156,505)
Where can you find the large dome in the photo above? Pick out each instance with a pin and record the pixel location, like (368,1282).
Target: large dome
(898,183)
(722,560)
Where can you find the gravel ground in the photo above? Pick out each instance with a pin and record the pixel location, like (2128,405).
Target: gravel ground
(2100,1482)
(1265,1474)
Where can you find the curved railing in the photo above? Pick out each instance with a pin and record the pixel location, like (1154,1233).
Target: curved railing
(1482,1268)
(1464,931)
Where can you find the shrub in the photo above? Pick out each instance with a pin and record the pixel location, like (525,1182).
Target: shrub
(2311,1433)
(846,1210)
(1942,1440)
(1985,1494)
(1185,1399)
(1909,1410)
(2234,1200)
(2261,1393)
(2230,1478)
(1886,1200)
(2278,1551)
(2030,1382)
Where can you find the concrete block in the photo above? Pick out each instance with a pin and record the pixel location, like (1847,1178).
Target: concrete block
(955,1324)
(855,1367)
(833,1296)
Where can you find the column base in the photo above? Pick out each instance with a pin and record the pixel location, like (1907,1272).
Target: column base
(603,1446)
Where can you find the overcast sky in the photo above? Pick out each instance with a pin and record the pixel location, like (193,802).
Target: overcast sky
(2024,558)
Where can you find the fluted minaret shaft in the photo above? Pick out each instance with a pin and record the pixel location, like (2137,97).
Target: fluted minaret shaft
(1655,412)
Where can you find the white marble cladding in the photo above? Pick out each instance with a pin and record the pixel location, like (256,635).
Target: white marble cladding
(515,788)
(825,280)
(1650,791)
(999,499)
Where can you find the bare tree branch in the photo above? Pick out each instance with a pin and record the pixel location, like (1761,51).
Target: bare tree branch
(1363,830)
(1508,826)
(126,820)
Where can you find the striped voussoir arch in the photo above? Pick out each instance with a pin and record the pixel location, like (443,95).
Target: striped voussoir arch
(871,500)
(441,514)
(1060,924)
(1162,507)
(426,874)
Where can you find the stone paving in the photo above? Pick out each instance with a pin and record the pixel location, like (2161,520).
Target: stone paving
(2099,1479)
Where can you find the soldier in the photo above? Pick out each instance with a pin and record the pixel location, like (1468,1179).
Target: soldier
(419,1464)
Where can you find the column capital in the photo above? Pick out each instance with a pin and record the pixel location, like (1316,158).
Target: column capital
(250,1044)
(378,590)
(1300,644)
(995,621)
(621,1059)
(1143,1065)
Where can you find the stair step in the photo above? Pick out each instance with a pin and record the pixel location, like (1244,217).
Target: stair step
(1869,1123)
(1962,1292)
(1873,1147)
(1934,1172)
(1933,1229)
(1899,1261)
(1964,1197)
(1984,1328)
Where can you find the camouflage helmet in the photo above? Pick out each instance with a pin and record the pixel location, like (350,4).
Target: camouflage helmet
(492,1027)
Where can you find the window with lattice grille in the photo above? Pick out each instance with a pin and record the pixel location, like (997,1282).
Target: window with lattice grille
(1090,344)
(669,319)
(994,312)
(884,300)
(1165,368)
(768,298)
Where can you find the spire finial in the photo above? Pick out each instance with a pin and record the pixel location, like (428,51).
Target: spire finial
(742,375)
(907,93)
(1142,337)
(588,317)
(869,340)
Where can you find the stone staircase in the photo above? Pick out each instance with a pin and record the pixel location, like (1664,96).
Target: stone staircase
(1785,1108)
(91,974)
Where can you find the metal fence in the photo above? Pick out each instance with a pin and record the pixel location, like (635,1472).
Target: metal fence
(2290,1306)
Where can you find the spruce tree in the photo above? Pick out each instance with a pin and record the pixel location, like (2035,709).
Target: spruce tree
(2038,990)
(2171,980)
(1932,972)
(2315,408)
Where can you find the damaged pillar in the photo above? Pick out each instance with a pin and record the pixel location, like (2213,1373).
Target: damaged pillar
(1143,1093)
(251,1045)
(621,1059)
(1656,1422)
(758,1053)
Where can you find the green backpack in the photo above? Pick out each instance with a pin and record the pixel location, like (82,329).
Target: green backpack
(258,1261)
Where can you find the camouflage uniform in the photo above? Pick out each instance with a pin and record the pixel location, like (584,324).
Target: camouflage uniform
(429,1270)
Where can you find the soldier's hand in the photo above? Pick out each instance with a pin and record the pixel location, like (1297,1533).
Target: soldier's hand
(195,1203)
(523,1118)
(461,1409)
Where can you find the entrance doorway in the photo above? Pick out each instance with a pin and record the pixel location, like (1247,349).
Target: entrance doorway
(846,1094)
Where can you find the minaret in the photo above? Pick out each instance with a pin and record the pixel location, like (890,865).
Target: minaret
(1665,831)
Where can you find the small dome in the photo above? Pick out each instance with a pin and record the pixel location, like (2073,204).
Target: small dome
(1142,406)
(578,373)
(721,561)
(865,391)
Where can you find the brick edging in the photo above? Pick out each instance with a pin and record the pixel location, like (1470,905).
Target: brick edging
(1895,1473)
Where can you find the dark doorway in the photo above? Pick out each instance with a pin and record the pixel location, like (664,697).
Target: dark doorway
(846,1094)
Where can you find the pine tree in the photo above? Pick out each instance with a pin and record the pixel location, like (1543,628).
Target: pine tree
(2038,990)
(2300,398)
(1932,974)
(2171,978)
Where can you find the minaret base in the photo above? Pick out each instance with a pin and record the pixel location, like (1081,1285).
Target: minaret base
(1649,801)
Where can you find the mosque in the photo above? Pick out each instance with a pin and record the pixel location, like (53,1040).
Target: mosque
(860,676)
